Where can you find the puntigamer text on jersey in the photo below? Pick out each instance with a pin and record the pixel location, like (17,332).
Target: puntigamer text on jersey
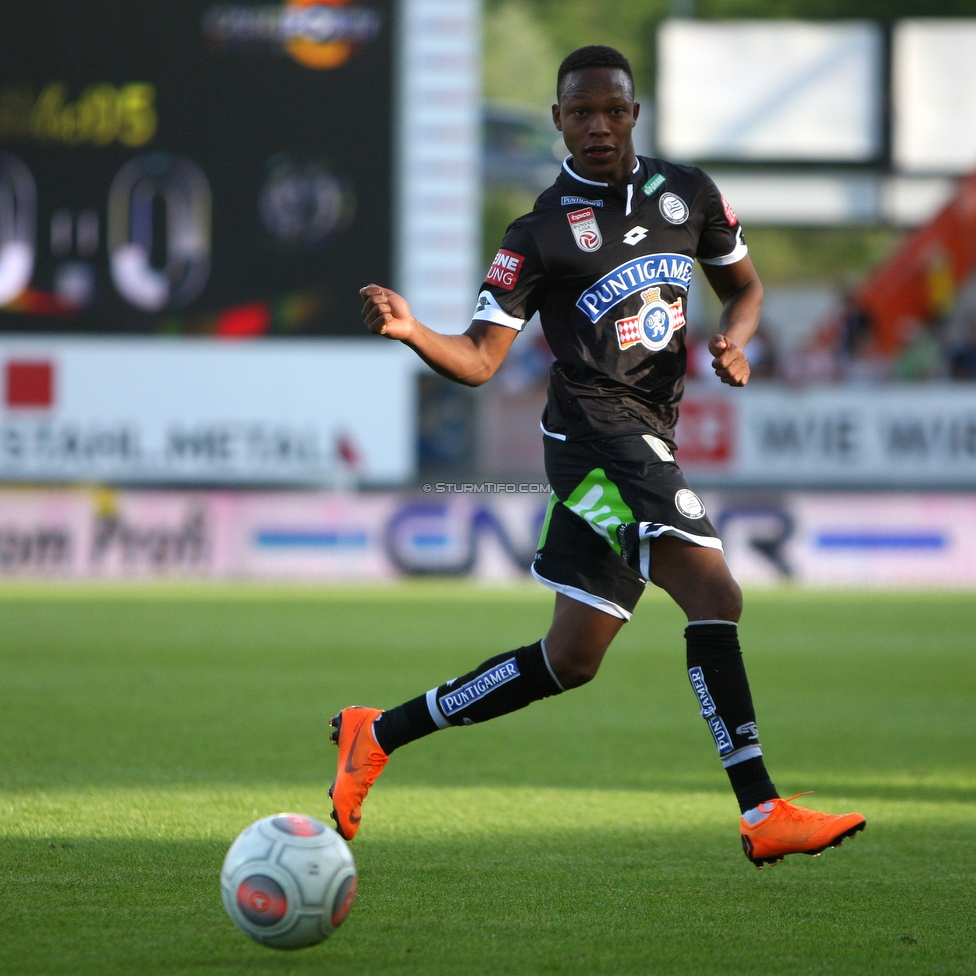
(629,278)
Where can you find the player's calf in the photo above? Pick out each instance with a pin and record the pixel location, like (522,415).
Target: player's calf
(502,684)
(718,679)
(367,736)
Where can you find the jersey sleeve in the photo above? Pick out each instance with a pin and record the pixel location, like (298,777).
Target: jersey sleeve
(509,293)
(721,240)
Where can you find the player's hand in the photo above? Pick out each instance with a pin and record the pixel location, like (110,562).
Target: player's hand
(386,313)
(730,363)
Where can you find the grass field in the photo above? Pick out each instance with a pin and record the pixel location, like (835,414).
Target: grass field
(142,729)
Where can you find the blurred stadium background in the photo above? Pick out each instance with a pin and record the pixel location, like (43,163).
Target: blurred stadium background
(190,198)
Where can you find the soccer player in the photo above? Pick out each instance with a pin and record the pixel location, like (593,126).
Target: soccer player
(606,258)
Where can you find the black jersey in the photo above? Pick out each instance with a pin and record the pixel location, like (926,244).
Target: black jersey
(609,273)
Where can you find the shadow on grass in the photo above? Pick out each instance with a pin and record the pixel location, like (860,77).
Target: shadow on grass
(827,786)
(580,901)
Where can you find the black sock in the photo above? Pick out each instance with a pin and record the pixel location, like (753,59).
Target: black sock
(500,685)
(718,678)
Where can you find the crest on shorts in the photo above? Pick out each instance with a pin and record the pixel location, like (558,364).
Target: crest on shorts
(585,229)
(689,504)
(654,325)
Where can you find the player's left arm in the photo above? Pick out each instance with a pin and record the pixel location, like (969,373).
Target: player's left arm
(741,293)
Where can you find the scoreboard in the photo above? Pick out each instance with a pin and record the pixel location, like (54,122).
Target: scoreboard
(191,167)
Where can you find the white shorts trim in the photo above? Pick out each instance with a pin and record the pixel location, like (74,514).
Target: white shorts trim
(741,755)
(549,433)
(581,596)
(706,541)
(435,712)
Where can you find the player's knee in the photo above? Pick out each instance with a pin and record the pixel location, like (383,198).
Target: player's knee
(573,670)
(579,675)
(725,601)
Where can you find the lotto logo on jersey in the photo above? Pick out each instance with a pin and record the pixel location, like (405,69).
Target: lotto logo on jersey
(654,325)
(585,229)
(729,213)
(504,270)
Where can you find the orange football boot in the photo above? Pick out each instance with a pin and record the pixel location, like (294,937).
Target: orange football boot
(795,830)
(361,760)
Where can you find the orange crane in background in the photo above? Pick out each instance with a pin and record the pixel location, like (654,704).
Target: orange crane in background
(920,281)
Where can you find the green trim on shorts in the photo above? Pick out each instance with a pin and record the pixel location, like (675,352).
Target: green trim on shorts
(597,500)
(545,522)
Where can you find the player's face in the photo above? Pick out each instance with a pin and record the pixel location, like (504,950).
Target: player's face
(596,115)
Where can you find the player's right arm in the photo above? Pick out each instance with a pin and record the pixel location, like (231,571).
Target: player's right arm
(509,296)
(471,358)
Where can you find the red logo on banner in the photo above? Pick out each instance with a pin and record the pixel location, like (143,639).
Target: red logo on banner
(706,433)
(28,384)
(504,270)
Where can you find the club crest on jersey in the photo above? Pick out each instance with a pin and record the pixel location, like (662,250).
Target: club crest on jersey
(585,229)
(673,208)
(653,325)
(504,270)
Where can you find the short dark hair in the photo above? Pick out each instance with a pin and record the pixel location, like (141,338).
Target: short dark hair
(593,56)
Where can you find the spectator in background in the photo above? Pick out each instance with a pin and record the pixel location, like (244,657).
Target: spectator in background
(858,360)
(923,357)
(960,334)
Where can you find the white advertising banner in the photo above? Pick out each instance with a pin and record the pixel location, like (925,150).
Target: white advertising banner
(769,90)
(864,540)
(813,539)
(767,436)
(183,411)
(934,95)
(270,535)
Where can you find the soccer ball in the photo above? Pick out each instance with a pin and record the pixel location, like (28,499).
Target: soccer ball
(288,881)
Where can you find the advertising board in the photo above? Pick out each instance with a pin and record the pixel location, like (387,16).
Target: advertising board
(934,95)
(866,540)
(143,411)
(194,167)
(776,90)
(768,436)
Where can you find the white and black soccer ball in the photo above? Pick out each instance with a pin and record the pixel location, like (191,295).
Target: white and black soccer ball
(288,881)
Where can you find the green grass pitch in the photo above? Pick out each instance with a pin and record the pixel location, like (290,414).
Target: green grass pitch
(141,729)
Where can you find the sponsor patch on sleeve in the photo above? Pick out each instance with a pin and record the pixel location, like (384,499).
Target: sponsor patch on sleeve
(729,213)
(504,270)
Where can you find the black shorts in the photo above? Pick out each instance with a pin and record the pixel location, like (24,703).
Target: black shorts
(630,480)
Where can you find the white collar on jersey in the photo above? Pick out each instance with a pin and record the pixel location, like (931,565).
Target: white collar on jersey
(576,176)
